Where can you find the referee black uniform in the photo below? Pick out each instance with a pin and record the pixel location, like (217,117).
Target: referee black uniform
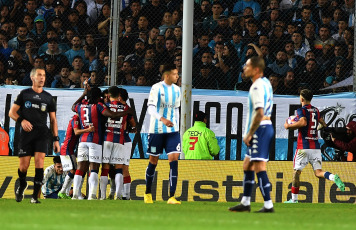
(34,107)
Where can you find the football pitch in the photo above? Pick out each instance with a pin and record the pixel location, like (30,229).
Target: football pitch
(118,214)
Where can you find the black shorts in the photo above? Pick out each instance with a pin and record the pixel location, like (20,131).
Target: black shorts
(34,141)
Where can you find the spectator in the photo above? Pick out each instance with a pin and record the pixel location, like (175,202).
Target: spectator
(350,144)
(294,61)
(210,22)
(94,9)
(154,11)
(90,56)
(51,68)
(217,38)
(166,22)
(223,28)
(323,39)
(202,46)
(84,78)
(4,14)
(137,59)
(326,18)
(199,142)
(152,36)
(77,70)
(289,86)
(52,33)
(76,50)
(310,77)
(277,39)
(349,36)
(31,51)
(239,46)
(46,10)
(177,17)
(205,11)
(141,81)
(251,36)
(305,17)
(280,65)
(274,79)
(339,52)
(133,11)
(31,6)
(57,24)
(218,49)
(38,63)
(228,64)
(19,42)
(300,48)
(240,6)
(73,22)
(62,80)
(206,78)
(96,79)
(17,66)
(309,35)
(326,59)
(170,50)
(54,53)
(318,9)
(83,20)
(28,20)
(125,76)
(142,23)
(349,7)
(234,22)
(38,33)
(178,35)
(342,25)
(5,50)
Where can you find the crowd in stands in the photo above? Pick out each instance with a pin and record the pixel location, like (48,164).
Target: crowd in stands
(305,43)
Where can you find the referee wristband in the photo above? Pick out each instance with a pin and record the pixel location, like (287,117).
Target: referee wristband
(19,119)
(56,138)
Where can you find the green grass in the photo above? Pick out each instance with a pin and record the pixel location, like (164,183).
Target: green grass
(68,214)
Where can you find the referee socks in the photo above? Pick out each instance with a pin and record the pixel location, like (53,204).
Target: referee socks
(37,182)
(22,177)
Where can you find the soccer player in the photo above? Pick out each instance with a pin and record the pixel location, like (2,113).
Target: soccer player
(34,104)
(53,180)
(131,128)
(163,106)
(258,136)
(308,147)
(113,147)
(67,149)
(90,144)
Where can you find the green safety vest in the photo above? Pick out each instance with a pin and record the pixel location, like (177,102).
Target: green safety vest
(200,143)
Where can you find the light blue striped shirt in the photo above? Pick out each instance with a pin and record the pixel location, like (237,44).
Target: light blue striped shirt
(52,182)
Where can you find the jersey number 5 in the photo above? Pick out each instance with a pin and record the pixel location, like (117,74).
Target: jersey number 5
(193,142)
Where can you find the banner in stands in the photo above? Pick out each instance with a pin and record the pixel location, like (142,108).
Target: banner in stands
(226,111)
(196,182)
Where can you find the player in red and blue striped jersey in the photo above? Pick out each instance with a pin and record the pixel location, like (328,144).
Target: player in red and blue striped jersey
(113,146)
(67,149)
(90,144)
(308,147)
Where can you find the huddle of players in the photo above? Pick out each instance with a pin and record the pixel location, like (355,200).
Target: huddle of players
(100,129)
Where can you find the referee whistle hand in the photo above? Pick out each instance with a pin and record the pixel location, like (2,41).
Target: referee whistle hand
(26,125)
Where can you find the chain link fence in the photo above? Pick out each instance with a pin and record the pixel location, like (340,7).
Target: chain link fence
(308,44)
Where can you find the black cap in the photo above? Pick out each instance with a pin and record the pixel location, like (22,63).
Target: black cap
(73,11)
(200,116)
(222,16)
(58,3)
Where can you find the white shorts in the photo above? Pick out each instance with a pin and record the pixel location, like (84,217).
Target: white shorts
(113,153)
(304,156)
(90,152)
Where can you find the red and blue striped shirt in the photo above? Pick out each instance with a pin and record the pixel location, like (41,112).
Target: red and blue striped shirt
(71,140)
(115,128)
(91,114)
(308,135)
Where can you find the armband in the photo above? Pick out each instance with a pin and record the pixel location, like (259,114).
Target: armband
(56,138)
(19,119)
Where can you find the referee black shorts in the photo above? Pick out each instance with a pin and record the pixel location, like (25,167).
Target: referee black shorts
(34,141)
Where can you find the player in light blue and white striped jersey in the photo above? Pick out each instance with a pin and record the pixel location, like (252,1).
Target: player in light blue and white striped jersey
(53,179)
(258,136)
(163,106)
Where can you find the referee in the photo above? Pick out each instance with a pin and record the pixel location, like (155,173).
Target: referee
(33,105)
